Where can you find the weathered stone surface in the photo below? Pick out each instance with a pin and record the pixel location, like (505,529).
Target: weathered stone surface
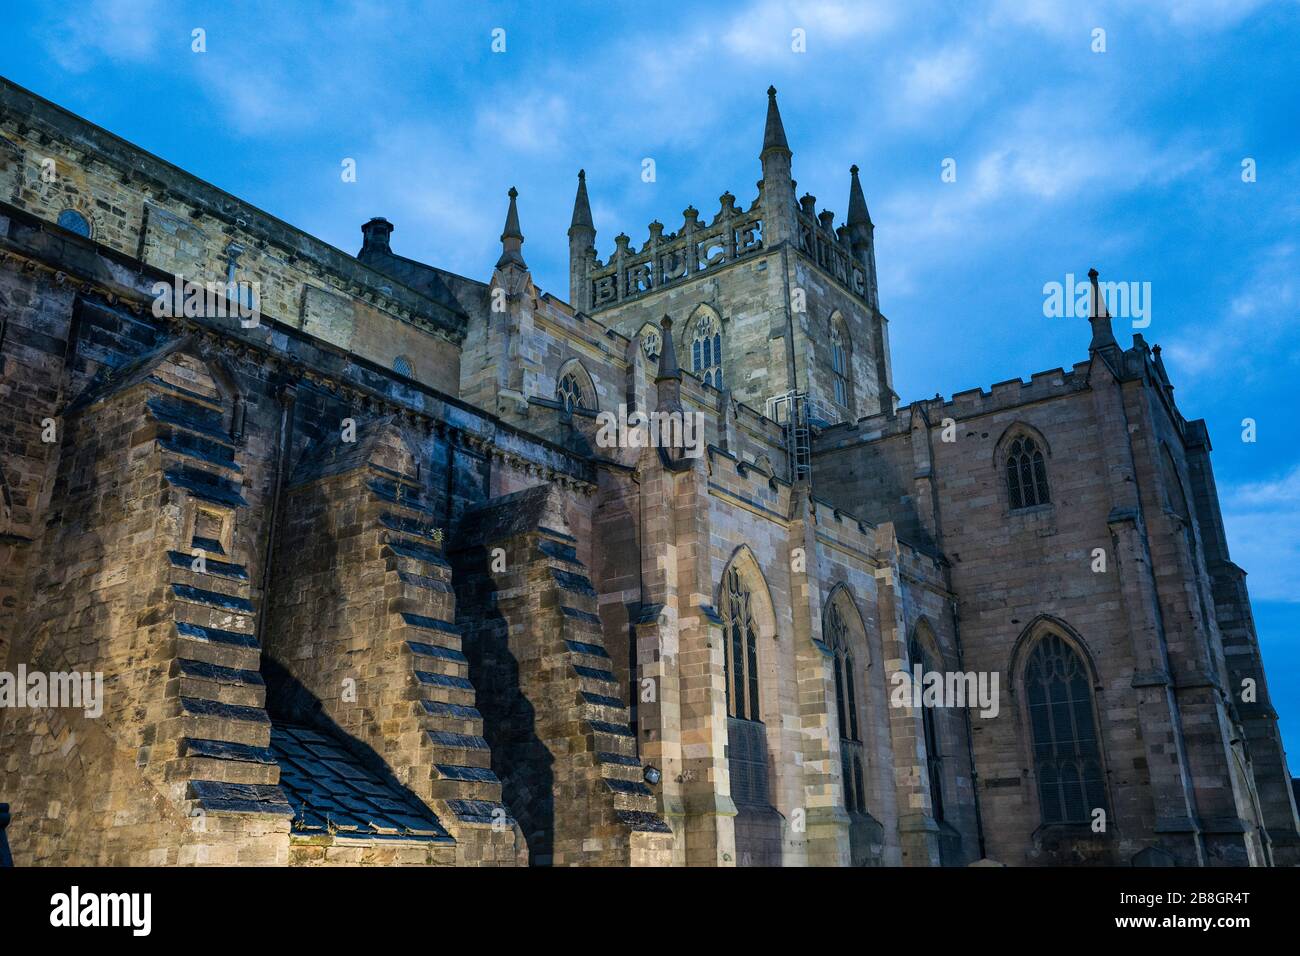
(364,590)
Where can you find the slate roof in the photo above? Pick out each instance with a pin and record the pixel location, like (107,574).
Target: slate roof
(332,793)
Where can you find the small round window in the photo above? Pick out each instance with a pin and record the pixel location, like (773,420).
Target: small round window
(402,366)
(74,221)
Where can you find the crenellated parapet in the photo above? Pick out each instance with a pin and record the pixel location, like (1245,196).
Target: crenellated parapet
(968,404)
(831,248)
(773,220)
(664,260)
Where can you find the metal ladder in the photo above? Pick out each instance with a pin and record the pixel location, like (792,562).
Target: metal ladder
(791,412)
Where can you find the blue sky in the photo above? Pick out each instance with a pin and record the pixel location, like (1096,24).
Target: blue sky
(1128,160)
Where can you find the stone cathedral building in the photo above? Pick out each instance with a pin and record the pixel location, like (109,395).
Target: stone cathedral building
(366,582)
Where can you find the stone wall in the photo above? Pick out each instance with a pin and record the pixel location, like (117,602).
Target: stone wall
(141,206)
(176,492)
(1017,571)
(176,768)
(363,626)
(554,713)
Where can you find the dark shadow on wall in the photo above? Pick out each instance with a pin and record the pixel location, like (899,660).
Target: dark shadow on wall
(289,702)
(866,839)
(520,759)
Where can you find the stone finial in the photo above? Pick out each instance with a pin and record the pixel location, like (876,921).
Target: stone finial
(827,220)
(669,370)
(858,215)
(1102,336)
(582,208)
(808,202)
(774,131)
(512,240)
(375,235)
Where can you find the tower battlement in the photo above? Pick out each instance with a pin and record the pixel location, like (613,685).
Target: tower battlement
(774,218)
(832,248)
(663,260)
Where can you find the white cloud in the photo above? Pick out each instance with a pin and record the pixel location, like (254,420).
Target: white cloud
(1260,317)
(1204,15)
(1037,160)
(1262,520)
(534,124)
(113,29)
(1279,491)
(1069,21)
(939,76)
(763,32)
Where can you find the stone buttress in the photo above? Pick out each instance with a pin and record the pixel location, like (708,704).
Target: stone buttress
(363,632)
(553,709)
(143,583)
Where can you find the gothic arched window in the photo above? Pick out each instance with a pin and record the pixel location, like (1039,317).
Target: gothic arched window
(1026,473)
(575,389)
(74,221)
(840,361)
(741,650)
(933,754)
(1067,759)
(846,708)
(706,350)
(746,735)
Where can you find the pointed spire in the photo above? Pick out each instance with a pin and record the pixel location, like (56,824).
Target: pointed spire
(668,388)
(512,239)
(858,214)
(582,248)
(669,370)
(1102,336)
(780,212)
(774,133)
(582,207)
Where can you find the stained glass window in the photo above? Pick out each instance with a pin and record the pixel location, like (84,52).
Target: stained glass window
(746,735)
(1026,474)
(742,649)
(846,709)
(706,350)
(840,364)
(570,392)
(1066,756)
(933,752)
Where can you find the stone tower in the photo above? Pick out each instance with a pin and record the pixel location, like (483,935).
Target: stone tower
(773,292)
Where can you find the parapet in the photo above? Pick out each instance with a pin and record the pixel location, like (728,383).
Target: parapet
(664,260)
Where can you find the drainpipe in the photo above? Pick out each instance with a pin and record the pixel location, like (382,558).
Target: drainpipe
(287,394)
